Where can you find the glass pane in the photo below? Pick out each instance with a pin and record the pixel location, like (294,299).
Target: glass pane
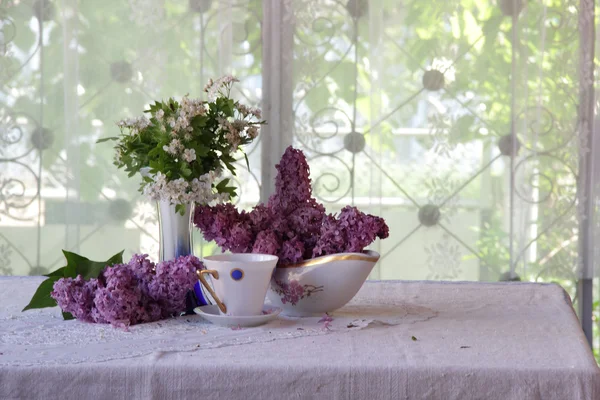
(71,70)
(456,121)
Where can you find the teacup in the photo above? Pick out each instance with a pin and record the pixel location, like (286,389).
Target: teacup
(240,281)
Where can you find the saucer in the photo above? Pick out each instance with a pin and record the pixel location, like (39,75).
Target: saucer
(211,313)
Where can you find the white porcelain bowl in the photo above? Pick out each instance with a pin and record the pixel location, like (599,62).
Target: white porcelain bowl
(321,284)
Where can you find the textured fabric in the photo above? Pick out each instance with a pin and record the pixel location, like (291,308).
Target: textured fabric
(70,342)
(482,341)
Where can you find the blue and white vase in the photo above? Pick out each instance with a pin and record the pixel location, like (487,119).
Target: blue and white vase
(176,238)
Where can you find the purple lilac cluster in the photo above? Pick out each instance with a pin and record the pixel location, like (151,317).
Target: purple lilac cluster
(292,225)
(351,231)
(129,294)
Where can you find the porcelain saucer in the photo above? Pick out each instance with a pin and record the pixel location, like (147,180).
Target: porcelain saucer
(211,313)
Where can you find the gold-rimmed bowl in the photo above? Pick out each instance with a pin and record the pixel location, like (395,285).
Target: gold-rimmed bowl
(319,285)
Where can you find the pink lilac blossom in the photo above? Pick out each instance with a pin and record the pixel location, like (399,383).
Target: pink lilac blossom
(172,281)
(76,296)
(326,320)
(292,292)
(292,184)
(351,231)
(132,293)
(266,242)
(292,225)
(143,268)
(260,218)
(224,224)
(120,301)
(292,250)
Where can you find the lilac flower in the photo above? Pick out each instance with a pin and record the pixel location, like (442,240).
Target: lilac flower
(260,217)
(292,184)
(227,226)
(291,251)
(132,293)
(352,231)
(143,268)
(240,238)
(266,242)
(172,281)
(76,296)
(307,220)
(295,292)
(293,224)
(120,301)
(326,320)
(331,239)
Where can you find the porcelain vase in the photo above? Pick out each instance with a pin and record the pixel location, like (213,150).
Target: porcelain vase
(176,241)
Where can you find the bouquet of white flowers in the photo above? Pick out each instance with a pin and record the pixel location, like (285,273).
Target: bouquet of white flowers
(184,146)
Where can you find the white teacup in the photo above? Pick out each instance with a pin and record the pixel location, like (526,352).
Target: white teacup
(240,281)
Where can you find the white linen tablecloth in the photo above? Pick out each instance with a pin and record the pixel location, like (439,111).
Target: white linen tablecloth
(473,341)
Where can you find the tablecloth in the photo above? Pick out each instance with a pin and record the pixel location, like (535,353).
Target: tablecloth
(397,340)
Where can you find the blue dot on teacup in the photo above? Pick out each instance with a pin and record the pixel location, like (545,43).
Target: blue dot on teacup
(237,274)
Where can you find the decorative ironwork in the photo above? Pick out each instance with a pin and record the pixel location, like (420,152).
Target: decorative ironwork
(509,145)
(36,167)
(537,155)
(121,71)
(511,8)
(429,215)
(433,80)
(200,6)
(44,10)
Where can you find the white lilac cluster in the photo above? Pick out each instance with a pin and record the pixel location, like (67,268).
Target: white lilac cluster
(118,155)
(215,88)
(180,123)
(179,191)
(236,129)
(136,125)
(189,155)
(181,130)
(249,111)
(193,136)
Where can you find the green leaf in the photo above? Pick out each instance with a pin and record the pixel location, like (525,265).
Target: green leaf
(76,265)
(67,316)
(198,122)
(180,208)
(223,188)
(222,185)
(247,162)
(85,267)
(59,272)
(201,150)
(231,190)
(185,170)
(414,339)
(41,298)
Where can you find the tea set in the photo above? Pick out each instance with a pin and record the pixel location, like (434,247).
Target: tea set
(241,282)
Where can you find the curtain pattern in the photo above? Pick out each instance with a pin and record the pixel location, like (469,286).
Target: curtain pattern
(70,70)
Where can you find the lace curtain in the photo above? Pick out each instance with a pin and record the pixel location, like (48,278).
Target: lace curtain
(466,124)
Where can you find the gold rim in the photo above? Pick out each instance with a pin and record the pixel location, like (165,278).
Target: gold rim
(371,257)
